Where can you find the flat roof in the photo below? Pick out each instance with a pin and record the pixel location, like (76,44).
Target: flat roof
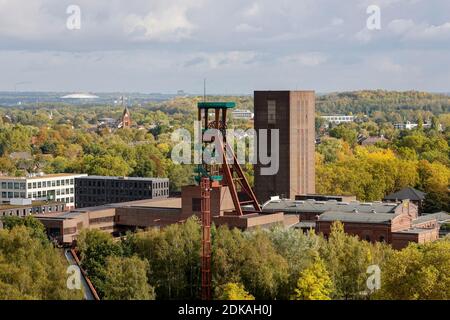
(415,231)
(45,176)
(124,178)
(440,217)
(172,203)
(33,204)
(357,217)
(302,206)
(168,203)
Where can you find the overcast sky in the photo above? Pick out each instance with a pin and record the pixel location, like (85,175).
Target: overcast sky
(239,46)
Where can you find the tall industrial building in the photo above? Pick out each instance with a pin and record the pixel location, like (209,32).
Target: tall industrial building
(293,114)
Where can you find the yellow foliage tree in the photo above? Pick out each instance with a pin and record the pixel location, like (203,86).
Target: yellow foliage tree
(235,291)
(314,283)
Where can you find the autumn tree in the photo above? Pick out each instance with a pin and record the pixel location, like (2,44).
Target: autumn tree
(235,291)
(418,272)
(314,283)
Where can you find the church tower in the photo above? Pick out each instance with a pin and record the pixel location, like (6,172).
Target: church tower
(126,118)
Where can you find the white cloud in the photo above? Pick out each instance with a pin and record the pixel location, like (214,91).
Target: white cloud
(244,27)
(364,35)
(409,30)
(164,23)
(387,65)
(308,59)
(337,22)
(252,10)
(400,26)
(226,59)
(28,20)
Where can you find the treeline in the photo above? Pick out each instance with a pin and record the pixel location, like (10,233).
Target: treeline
(30,267)
(261,264)
(368,102)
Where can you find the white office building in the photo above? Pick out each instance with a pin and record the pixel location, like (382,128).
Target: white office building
(52,187)
(243,114)
(338,119)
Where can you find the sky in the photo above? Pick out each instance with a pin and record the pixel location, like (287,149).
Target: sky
(238,46)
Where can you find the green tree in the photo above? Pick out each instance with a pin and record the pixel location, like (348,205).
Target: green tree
(345,133)
(37,229)
(126,279)
(298,249)
(346,259)
(95,248)
(31,269)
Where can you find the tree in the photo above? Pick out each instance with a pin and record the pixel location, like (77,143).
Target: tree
(235,291)
(314,283)
(36,228)
(174,257)
(345,133)
(298,249)
(95,248)
(418,272)
(346,259)
(264,272)
(31,269)
(126,279)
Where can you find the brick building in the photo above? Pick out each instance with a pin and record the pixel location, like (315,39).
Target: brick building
(396,223)
(293,114)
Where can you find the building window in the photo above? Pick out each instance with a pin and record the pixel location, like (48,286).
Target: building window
(368,238)
(382,239)
(271,112)
(196,204)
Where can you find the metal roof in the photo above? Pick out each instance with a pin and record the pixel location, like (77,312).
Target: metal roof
(440,217)
(216,105)
(407,193)
(305,206)
(357,217)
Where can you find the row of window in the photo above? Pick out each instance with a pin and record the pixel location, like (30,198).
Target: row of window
(49,184)
(121,184)
(36,185)
(38,194)
(13,185)
(95,191)
(101,220)
(29,211)
(339,118)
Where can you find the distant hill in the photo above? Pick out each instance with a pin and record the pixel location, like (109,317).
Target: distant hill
(368,102)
